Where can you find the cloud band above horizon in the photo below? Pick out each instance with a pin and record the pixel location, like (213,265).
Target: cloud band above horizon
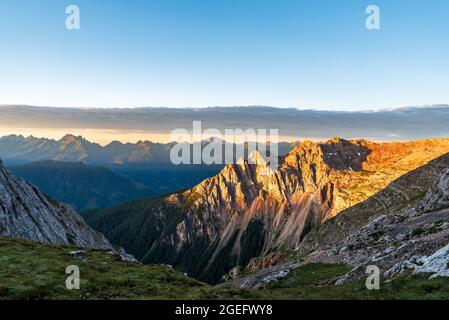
(156,124)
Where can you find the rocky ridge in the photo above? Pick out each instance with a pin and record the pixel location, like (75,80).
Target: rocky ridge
(26,213)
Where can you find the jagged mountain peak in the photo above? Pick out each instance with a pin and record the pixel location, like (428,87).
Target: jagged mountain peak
(337,140)
(255,157)
(14,136)
(68,138)
(336,153)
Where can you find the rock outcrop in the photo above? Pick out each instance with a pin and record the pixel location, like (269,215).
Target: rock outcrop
(437,264)
(28,214)
(438,197)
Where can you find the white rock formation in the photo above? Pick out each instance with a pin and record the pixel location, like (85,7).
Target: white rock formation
(436,264)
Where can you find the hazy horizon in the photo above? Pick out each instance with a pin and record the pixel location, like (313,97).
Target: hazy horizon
(155,124)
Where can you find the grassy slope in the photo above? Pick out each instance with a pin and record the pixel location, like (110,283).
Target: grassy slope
(29,270)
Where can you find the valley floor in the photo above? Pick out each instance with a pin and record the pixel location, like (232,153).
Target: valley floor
(31,271)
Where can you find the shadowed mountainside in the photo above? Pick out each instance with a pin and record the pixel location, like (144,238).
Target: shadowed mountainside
(80,185)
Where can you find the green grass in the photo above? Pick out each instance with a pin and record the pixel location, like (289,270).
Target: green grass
(29,270)
(33,271)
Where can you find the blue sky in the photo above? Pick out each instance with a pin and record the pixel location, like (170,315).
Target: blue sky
(198,53)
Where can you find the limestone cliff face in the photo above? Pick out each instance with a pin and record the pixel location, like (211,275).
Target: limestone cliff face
(26,213)
(244,212)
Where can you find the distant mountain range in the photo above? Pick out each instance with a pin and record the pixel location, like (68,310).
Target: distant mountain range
(243,213)
(80,185)
(15,149)
(19,149)
(145,162)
